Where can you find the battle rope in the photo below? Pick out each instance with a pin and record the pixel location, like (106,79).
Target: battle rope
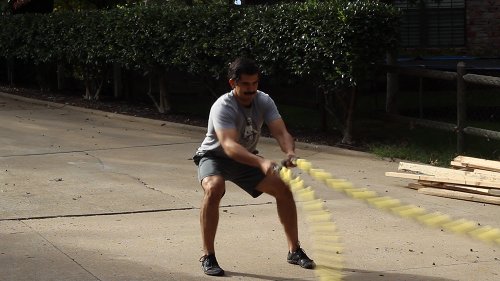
(326,241)
(487,234)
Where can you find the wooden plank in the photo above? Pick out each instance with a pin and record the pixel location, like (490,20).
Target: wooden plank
(456,187)
(459,165)
(463,180)
(494,192)
(426,169)
(446,172)
(431,183)
(466,188)
(460,195)
(479,163)
(415,186)
(463,188)
(486,173)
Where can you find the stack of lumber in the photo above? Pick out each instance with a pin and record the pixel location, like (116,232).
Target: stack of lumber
(469,178)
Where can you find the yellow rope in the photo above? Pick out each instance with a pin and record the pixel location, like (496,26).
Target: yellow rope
(486,234)
(326,241)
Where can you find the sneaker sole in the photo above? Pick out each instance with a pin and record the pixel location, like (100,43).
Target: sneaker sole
(221,273)
(296,263)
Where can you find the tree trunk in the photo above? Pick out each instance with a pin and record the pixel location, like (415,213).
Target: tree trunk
(392,86)
(347,138)
(322,104)
(10,71)
(88,89)
(60,77)
(98,88)
(164,103)
(42,72)
(118,81)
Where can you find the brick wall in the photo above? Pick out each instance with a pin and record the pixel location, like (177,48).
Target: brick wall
(483,27)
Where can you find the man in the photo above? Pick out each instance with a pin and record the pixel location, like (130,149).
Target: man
(228,152)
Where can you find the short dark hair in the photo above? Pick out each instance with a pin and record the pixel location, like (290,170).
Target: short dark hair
(240,66)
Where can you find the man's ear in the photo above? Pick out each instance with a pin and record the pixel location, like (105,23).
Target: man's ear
(232,83)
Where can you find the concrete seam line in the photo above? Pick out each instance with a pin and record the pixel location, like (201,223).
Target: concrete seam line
(95,149)
(127,212)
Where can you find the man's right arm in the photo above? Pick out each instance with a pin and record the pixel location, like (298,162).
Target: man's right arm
(228,141)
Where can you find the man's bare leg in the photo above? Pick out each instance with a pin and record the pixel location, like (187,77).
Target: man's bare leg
(287,211)
(213,187)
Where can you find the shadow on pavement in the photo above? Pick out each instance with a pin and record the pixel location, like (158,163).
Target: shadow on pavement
(365,275)
(264,277)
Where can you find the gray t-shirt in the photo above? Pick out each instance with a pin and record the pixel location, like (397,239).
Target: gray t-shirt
(227,113)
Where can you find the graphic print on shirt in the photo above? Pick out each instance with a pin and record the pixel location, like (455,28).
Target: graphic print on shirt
(249,135)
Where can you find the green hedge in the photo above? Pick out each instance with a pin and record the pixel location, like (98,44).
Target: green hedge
(333,43)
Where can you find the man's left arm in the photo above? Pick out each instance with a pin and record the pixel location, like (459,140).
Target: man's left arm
(285,140)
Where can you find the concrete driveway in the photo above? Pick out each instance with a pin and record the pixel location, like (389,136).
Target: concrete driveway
(88,195)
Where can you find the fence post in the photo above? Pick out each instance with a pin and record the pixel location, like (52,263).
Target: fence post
(392,86)
(461,106)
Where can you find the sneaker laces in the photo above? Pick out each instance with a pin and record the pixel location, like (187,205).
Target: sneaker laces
(203,258)
(301,253)
(209,260)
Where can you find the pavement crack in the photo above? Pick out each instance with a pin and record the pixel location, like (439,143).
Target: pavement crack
(62,252)
(98,160)
(103,167)
(147,185)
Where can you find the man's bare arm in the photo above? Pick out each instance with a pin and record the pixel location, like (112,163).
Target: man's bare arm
(228,140)
(281,134)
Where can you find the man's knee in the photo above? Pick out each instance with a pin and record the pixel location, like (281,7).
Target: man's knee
(276,188)
(214,187)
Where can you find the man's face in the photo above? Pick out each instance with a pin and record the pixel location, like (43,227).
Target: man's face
(245,88)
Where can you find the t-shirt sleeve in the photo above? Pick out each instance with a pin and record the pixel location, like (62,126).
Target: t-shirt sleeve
(271,112)
(222,117)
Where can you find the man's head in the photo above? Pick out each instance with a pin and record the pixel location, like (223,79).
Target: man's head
(241,66)
(243,77)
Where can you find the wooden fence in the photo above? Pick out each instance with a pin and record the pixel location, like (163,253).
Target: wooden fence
(461,77)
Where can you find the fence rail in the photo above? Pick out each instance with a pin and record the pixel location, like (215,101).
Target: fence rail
(461,77)
(420,72)
(482,79)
